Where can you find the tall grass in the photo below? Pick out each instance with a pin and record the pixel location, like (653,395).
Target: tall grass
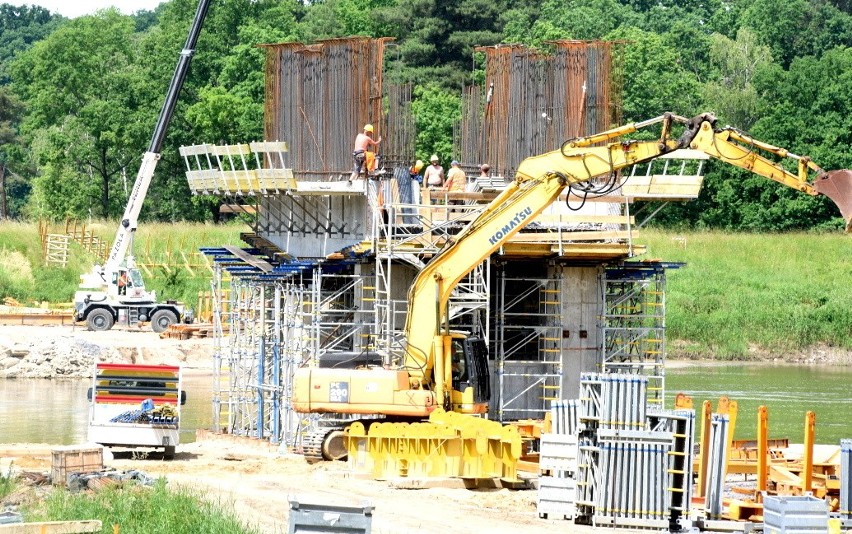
(24,276)
(741,292)
(7,482)
(139,510)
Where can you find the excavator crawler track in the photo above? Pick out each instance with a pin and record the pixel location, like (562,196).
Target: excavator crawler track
(312,445)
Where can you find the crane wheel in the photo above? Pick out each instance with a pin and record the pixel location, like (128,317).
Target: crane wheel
(161,320)
(334,446)
(100,320)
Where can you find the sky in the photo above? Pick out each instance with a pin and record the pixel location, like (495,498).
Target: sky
(75,8)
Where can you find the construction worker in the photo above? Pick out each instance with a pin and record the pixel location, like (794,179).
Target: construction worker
(122,283)
(414,171)
(363,143)
(456,181)
(433,176)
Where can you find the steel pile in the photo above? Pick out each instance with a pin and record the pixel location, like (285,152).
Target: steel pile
(319,96)
(531,101)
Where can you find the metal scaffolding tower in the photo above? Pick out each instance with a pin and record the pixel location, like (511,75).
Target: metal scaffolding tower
(634,324)
(528,346)
(276,324)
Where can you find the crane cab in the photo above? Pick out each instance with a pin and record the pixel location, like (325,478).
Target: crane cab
(127,284)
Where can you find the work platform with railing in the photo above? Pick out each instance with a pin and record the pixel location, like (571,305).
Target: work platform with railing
(328,266)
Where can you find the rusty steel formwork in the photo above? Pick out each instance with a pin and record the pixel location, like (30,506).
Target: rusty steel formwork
(319,96)
(533,101)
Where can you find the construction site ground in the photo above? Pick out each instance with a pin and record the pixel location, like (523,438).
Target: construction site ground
(255,479)
(256,483)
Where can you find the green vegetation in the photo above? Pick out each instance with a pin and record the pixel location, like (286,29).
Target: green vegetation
(755,292)
(164,249)
(139,510)
(78,98)
(7,483)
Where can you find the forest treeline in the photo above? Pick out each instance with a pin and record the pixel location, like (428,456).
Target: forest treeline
(79,97)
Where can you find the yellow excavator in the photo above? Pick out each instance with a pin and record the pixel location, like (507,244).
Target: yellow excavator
(447,369)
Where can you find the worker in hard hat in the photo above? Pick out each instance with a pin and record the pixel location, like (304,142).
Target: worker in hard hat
(414,171)
(433,176)
(363,142)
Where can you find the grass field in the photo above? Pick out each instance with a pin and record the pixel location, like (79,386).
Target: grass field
(776,293)
(169,253)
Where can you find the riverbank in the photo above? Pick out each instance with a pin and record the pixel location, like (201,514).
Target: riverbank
(71,351)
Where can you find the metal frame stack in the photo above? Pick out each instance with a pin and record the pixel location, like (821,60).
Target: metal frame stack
(716,465)
(681,424)
(634,468)
(528,342)
(634,324)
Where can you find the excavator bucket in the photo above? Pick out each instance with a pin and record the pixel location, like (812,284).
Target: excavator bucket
(837,185)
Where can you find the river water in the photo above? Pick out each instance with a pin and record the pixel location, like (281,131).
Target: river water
(788,392)
(55,411)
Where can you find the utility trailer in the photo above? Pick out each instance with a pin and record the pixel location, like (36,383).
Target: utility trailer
(136,406)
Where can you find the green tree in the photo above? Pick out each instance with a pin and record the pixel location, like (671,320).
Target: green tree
(656,79)
(574,19)
(85,80)
(10,114)
(436,37)
(731,93)
(435,111)
(20,27)
(778,25)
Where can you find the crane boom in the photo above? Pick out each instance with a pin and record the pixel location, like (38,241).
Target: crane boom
(130,218)
(115,292)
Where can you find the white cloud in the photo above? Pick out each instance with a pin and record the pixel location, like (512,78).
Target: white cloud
(76,8)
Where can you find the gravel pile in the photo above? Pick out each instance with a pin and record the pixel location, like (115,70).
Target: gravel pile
(57,357)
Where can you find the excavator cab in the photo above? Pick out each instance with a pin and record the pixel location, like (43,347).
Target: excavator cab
(471,380)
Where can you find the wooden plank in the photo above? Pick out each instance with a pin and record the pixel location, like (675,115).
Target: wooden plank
(604,219)
(663,186)
(36,318)
(343,187)
(53,527)
(238,208)
(248,258)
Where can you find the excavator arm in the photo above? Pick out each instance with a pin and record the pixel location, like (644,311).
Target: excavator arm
(425,379)
(538,182)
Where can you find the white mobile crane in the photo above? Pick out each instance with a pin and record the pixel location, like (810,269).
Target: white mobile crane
(115,291)
(428,377)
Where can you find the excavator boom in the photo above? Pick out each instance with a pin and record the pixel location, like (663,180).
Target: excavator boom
(425,381)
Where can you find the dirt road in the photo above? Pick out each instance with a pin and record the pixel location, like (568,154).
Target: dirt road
(256,482)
